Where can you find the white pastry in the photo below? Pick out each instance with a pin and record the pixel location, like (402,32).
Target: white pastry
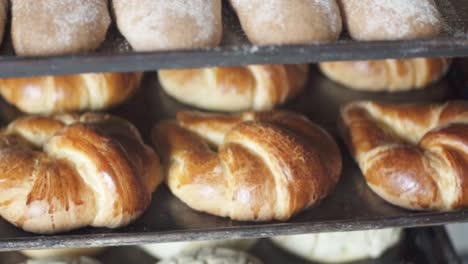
(213,256)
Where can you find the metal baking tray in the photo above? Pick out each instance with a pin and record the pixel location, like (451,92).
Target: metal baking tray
(116,55)
(421,245)
(352,206)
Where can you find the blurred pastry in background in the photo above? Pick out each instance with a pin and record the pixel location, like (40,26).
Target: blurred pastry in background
(213,255)
(286,22)
(168,250)
(150,25)
(62,260)
(255,87)
(59,94)
(340,246)
(370,20)
(254,166)
(392,75)
(62,252)
(65,172)
(56,27)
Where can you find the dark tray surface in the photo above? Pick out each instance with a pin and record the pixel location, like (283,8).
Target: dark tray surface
(116,55)
(352,206)
(422,245)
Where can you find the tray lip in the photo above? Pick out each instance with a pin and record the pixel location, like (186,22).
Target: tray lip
(13,66)
(431,219)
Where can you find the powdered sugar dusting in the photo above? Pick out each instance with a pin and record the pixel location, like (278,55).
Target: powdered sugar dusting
(396,24)
(151,17)
(276,11)
(68,17)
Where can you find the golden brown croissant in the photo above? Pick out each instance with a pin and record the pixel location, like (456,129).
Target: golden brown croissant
(392,75)
(68,171)
(269,165)
(58,94)
(257,87)
(414,156)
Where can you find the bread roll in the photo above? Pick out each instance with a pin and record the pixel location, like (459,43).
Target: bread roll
(168,250)
(255,87)
(64,172)
(391,19)
(392,75)
(58,94)
(61,252)
(281,22)
(340,246)
(63,260)
(56,27)
(150,25)
(413,156)
(3,17)
(269,165)
(213,256)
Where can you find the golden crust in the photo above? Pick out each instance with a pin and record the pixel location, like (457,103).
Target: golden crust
(414,156)
(268,165)
(65,172)
(254,87)
(58,94)
(393,75)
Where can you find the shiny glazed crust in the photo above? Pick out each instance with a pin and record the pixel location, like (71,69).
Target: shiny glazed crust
(393,75)
(58,94)
(268,165)
(414,156)
(255,87)
(67,171)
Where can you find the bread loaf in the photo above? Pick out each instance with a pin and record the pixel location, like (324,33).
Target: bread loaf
(280,22)
(255,87)
(268,165)
(56,27)
(393,75)
(413,156)
(63,260)
(150,25)
(61,252)
(391,19)
(58,94)
(68,171)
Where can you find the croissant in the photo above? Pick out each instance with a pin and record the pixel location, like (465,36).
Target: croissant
(269,165)
(393,75)
(257,87)
(58,94)
(68,171)
(413,156)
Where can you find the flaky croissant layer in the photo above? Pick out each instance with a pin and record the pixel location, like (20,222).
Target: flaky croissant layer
(67,171)
(268,165)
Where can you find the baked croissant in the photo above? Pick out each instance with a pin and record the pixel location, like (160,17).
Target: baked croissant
(413,156)
(58,94)
(393,75)
(269,165)
(255,87)
(67,171)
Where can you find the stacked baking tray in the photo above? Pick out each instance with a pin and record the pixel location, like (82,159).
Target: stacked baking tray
(352,206)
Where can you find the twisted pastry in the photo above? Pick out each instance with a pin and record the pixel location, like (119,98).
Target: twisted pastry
(257,87)
(413,156)
(67,171)
(393,75)
(269,165)
(57,94)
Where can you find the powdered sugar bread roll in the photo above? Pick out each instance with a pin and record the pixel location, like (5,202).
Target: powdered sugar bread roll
(150,25)
(391,19)
(55,27)
(280,22)
(3,17)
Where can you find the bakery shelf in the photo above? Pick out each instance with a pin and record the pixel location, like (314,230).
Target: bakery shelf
(115,54)
(352,206)
(422,245)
